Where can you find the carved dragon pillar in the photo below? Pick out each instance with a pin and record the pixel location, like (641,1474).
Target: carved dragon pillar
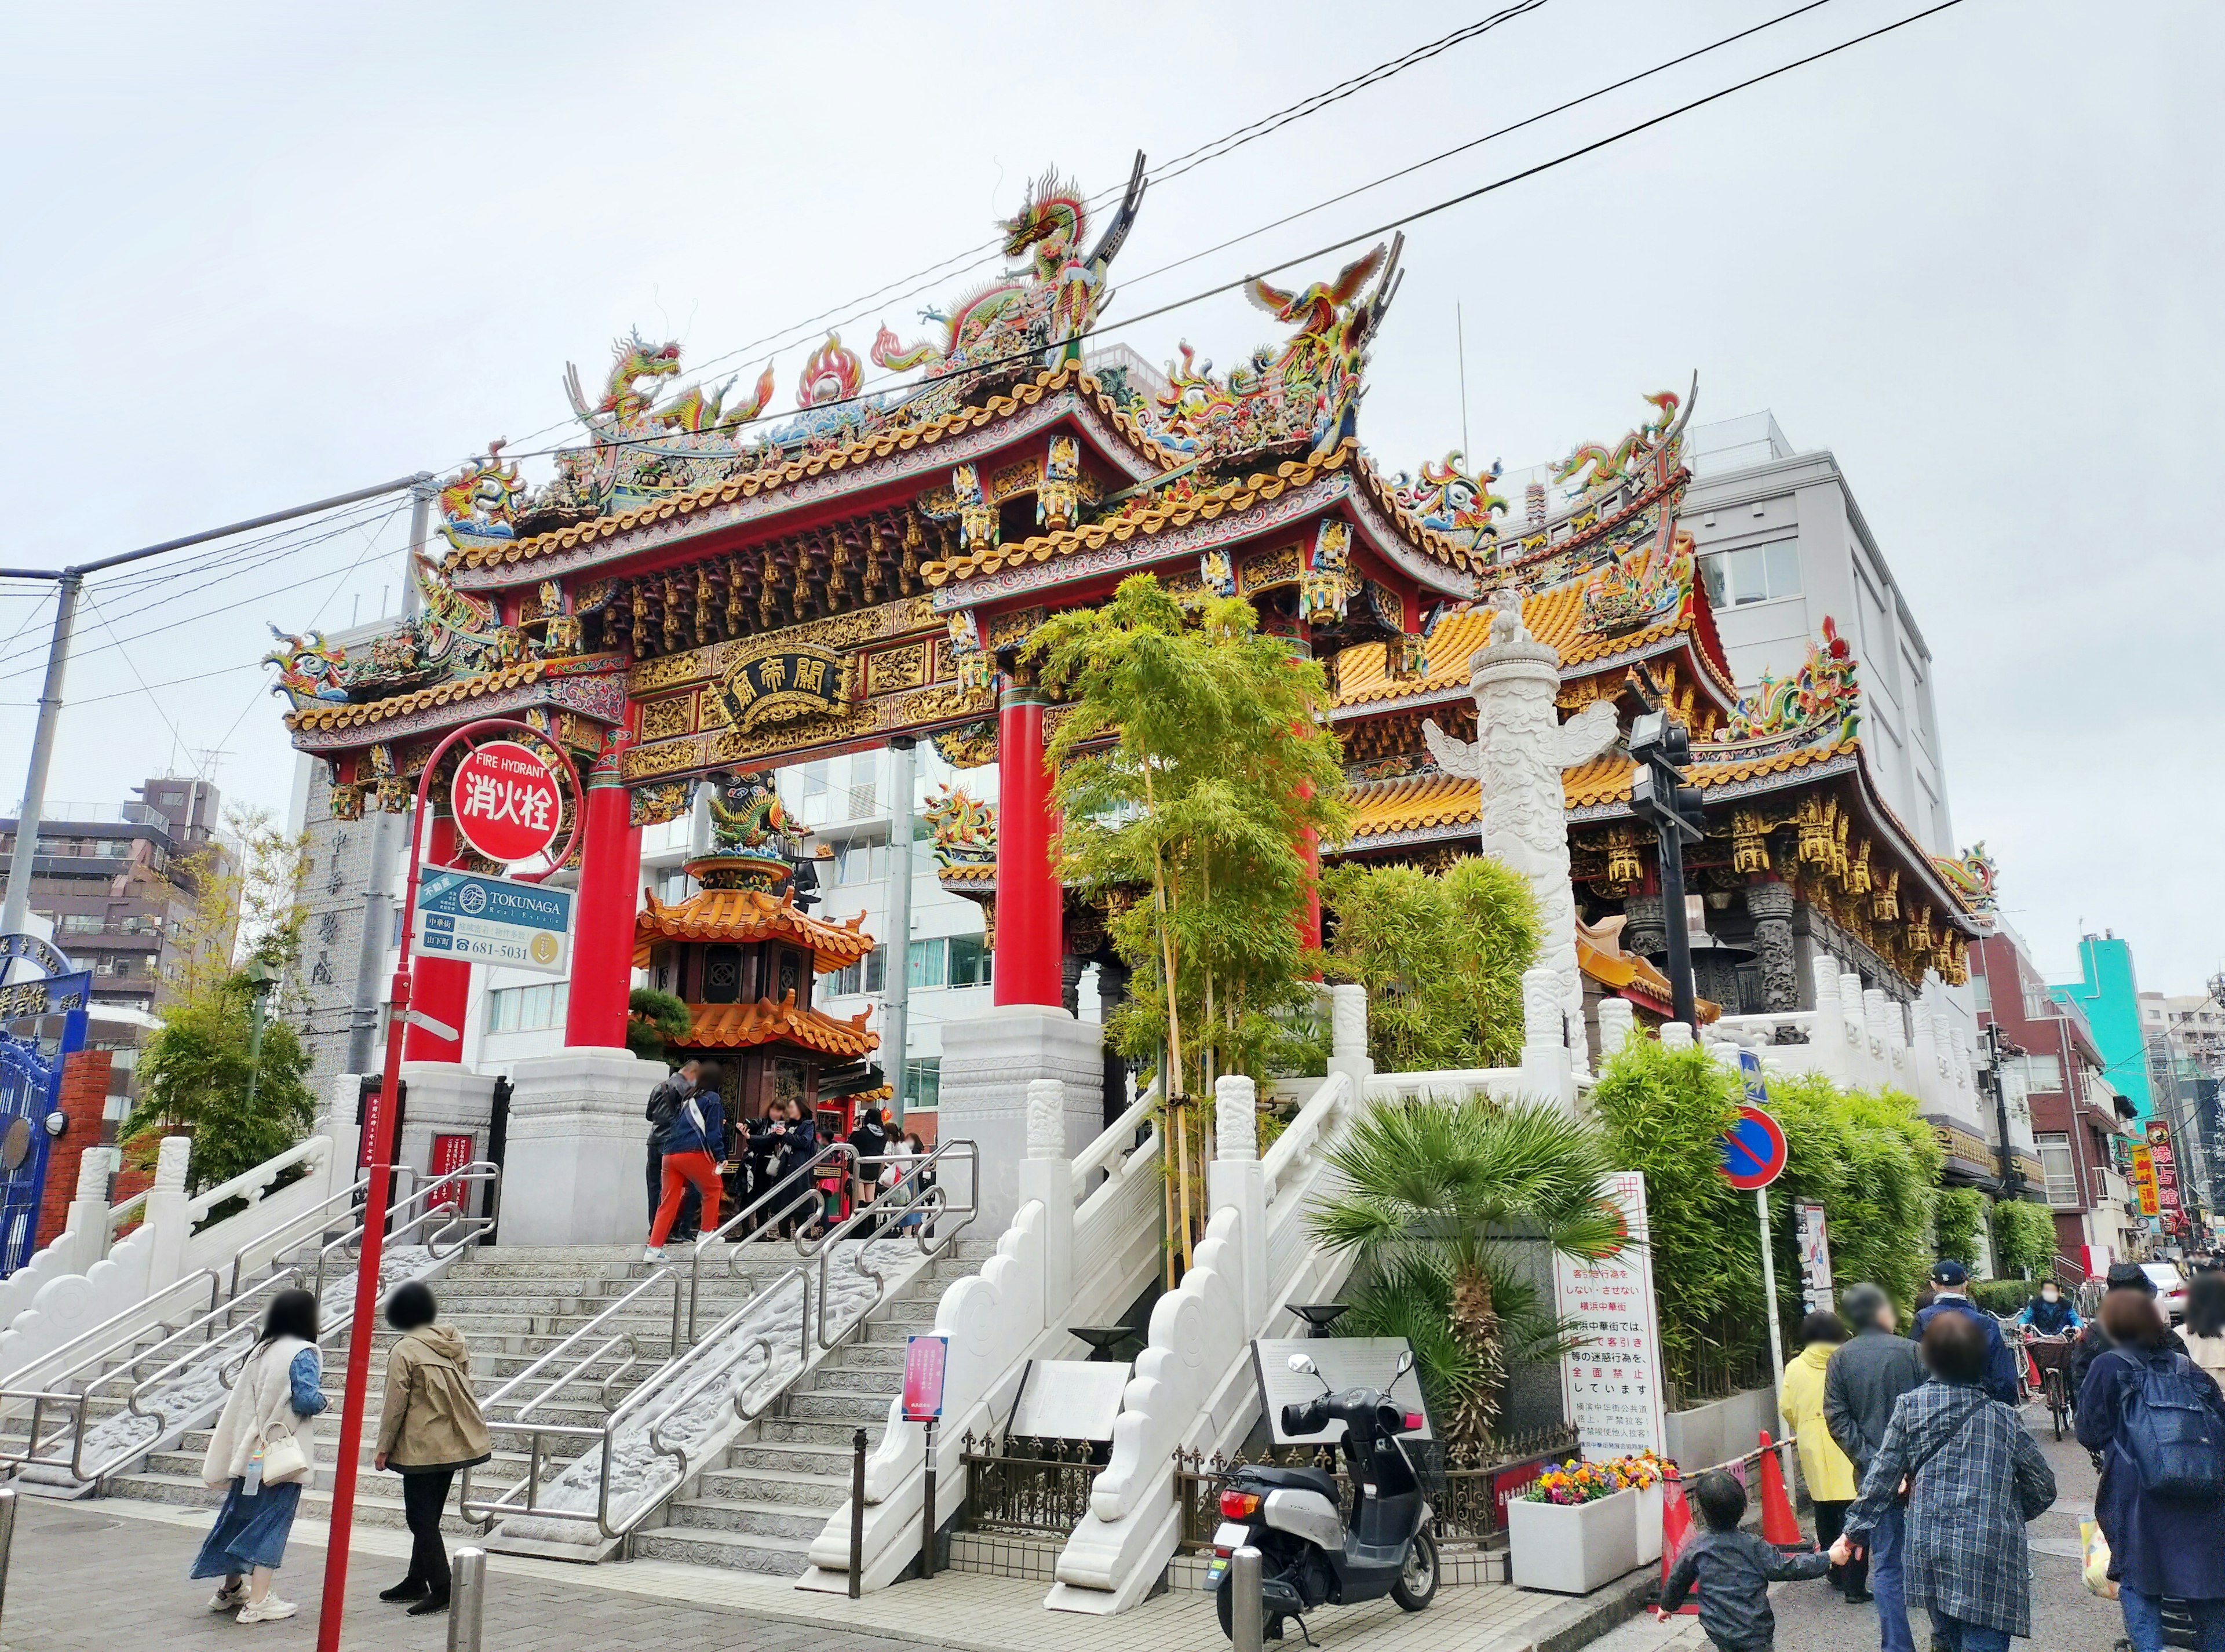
(1520,753)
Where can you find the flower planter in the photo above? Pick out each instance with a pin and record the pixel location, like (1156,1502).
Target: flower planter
(1649,1522)
(1573,1548)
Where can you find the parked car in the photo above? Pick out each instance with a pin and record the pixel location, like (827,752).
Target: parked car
(2171,1288)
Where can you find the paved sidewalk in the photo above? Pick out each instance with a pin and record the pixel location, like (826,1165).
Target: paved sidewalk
(91,1576)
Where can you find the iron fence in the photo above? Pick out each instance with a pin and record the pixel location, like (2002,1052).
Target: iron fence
(1022,1484)
(1467,1484)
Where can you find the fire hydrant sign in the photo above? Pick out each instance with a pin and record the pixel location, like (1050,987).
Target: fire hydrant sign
(474,919)
(506,802)
(1610,1375)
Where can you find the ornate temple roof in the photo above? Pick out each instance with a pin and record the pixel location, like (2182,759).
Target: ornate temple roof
(740,1026)
(1561,617)
(748,915)
(813,471)
(1178,508)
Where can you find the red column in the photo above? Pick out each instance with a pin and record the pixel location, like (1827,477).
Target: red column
(1030,911)
(603,923)
(439,987)
(1310,928)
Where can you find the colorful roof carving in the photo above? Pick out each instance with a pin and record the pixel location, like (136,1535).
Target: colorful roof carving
(455,635)
(964,828)
(1820,695)
(1449,500)
(1971,875)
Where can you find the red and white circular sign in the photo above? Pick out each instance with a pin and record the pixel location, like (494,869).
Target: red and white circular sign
(506,802)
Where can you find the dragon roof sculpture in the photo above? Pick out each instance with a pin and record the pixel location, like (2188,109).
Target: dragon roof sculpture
(1451,500)
(1303,395)
(1819,699)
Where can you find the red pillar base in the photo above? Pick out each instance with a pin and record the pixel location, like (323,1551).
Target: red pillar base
(1029,908)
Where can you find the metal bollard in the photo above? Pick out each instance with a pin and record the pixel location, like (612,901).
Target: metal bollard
(926,1512)
(467,1600)
(7,1536)
(857,1514)
(1247,1571)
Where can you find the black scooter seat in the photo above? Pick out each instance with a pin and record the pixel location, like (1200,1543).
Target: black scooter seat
(1293,1480)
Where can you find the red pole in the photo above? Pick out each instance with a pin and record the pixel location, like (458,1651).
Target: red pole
(439,987)
(609,896)
(379,1123)
(1030,909)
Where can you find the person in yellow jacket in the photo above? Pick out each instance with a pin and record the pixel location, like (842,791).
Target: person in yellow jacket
(1830,1475)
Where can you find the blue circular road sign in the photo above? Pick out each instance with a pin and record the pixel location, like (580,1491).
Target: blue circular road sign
(1753,1149)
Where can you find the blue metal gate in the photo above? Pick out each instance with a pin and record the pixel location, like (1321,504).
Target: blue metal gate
(41,1022)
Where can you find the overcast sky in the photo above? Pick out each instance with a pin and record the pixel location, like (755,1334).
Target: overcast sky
(263,255)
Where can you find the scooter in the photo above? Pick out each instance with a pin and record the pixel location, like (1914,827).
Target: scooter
(1291,1514)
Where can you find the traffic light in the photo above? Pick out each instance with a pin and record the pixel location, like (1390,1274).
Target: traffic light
(1658,796)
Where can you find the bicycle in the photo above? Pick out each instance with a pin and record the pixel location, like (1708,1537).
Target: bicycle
(2052,1356)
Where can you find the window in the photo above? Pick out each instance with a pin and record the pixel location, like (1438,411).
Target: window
(1752,573)
(2061,1175)
(954,960)
(1981,989)
(923,1083)
(81,923)
(969,961)
(2043,1072)
(861,863)
(527,1009)
(868,974)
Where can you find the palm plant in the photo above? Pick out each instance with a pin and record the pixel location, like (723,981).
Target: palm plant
(1437,1196)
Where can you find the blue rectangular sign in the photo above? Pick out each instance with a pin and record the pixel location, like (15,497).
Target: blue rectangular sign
(1757,1089)
(473,918)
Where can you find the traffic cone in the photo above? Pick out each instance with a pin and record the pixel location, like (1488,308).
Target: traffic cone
(1675,1532)
(1779,1525)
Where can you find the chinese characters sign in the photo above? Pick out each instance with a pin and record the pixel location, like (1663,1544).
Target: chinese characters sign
(780,687)
(1815,1255)
(51,997)
(2144,1179)
(2166,1164)
(506,802)
(1611,1380)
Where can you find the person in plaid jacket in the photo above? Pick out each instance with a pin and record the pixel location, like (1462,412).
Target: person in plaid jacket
(1973,1476)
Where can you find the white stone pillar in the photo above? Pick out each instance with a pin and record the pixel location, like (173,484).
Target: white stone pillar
(987,1064)
(1046,1176)
(168,1224)
(575,1164)
(1235,1180)
(443,1098)
(1616,1020)
(85,1226)
(1547,1071)
(1347,1032)
(1676,1035)
(1521,748)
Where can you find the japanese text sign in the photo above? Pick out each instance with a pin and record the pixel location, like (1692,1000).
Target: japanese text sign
(1611,1376)
(506,802)
(925,1355)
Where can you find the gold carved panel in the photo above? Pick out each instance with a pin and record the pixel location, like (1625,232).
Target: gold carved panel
(892,670)
(660,720)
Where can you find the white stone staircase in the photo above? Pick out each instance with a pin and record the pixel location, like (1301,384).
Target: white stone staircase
(770,1495)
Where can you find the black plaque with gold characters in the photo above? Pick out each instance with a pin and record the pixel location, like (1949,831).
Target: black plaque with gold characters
(783,685)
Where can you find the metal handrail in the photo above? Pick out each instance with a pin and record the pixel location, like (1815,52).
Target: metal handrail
(811,1329)
(799,1185)
(217,1328)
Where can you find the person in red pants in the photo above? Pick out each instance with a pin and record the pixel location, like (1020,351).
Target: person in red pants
(694,1141)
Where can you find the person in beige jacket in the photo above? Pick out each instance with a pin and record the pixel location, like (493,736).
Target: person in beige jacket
(429,1428)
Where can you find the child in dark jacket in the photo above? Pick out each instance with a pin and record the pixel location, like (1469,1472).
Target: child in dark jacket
(1734,1570)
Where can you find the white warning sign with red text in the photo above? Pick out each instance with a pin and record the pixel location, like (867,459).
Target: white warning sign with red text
(507,804)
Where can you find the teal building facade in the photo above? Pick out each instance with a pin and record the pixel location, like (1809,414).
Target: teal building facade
(2109,993)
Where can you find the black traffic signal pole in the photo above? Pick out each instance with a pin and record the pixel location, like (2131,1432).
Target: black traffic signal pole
(1658,796)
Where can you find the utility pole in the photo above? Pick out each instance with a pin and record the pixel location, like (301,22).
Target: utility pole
(15,912)
(386,829)
(1658,796)
(69,581)
(897,1003)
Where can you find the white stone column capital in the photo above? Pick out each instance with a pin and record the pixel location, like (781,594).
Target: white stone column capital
(1235,1118)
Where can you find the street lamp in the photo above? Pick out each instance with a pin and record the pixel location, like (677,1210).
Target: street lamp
(261,979)
(1660,747)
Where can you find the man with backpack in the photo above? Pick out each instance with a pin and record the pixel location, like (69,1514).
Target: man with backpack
(665,1105)
(2159,1422)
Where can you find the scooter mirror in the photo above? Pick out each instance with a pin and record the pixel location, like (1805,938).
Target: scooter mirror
(1405,1365)
(1303,1366)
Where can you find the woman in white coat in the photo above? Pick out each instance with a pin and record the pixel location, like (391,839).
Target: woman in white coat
(264,1449)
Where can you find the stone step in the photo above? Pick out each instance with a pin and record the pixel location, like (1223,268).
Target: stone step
(779,1557)
(856,1409)
(776,1487)
(884,1382)
(745,1518)
(799,1459)
(820,1435)
(377,1499)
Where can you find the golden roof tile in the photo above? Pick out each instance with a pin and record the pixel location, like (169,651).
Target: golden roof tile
(456,689)
(748,915)
(742,1026)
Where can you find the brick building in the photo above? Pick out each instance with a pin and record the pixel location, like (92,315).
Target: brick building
(2079,1122)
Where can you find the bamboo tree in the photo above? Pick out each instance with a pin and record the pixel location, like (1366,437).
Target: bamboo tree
(1192,763)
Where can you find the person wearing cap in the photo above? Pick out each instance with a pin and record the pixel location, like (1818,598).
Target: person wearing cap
(2094,1341)
(1949,1280)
